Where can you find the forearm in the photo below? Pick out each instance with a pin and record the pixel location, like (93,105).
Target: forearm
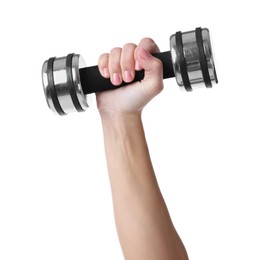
(143,223)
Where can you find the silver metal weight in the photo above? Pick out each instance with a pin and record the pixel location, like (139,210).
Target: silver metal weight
(192,58)
(62,85)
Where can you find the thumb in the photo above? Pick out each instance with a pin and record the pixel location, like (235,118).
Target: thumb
(153,71)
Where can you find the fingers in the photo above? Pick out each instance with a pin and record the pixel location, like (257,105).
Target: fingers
(103,65)
(152,66)
(109,66)
(153,79)
(119,65)
(149,45)
(114,66)
(128,62)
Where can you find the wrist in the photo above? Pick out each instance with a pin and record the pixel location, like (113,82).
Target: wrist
(121,127)
(122,118)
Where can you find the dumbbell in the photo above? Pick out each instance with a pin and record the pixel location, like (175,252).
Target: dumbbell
(67,81)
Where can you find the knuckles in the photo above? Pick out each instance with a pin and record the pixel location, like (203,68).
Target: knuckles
(128,49)
(147,40)
(103,60)
(129,46)
(115,50)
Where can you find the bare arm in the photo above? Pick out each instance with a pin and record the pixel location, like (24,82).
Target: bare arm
(143,223)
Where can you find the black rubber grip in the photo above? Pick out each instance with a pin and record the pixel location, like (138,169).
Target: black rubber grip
(92,81)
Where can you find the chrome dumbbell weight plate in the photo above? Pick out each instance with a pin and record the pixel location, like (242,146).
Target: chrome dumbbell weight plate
(192,59)
(62,85)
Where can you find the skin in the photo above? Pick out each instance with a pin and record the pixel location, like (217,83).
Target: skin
(143,223)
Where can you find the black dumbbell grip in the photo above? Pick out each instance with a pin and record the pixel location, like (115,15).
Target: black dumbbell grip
(92,81)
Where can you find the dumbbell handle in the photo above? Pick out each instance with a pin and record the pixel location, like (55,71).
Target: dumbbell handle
(92,81)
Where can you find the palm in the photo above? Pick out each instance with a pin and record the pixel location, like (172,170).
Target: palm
(128,99)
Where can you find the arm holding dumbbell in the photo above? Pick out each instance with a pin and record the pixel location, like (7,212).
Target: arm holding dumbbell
(143,223)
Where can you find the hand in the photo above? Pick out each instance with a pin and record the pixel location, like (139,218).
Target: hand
(120,65)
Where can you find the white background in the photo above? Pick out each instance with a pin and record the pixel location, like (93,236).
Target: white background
(54,192)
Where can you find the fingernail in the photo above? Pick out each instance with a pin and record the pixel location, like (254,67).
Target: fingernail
(106,73)
(144,54)
(137,66)
(116,79)
(128,76)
